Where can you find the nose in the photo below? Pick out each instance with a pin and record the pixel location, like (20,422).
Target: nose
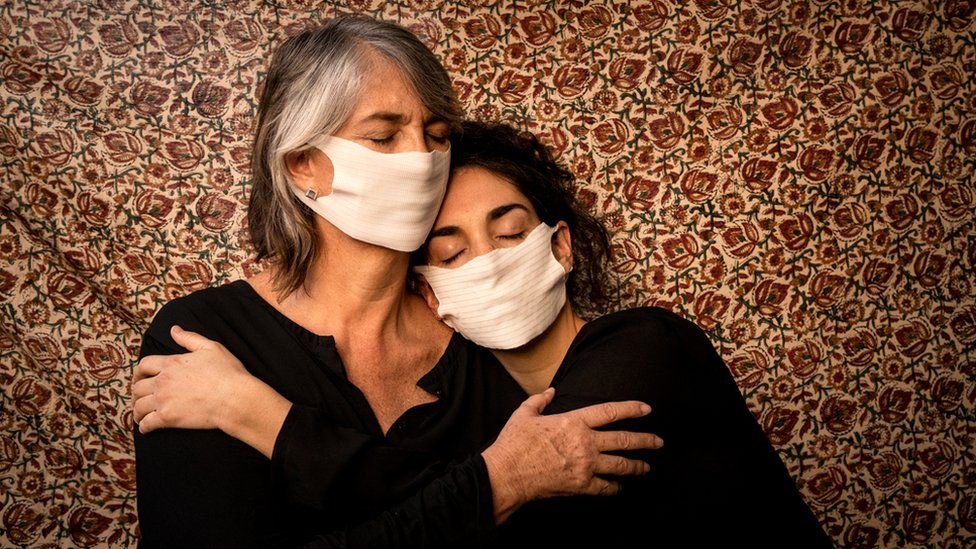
(415,139)
(481,245)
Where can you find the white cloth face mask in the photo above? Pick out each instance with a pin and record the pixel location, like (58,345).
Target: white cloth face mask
(506,297)
(386,199)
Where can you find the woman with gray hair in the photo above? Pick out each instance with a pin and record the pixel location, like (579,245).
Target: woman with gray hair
(350,163)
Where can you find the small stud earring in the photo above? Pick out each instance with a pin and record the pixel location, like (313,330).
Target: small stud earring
(311,193)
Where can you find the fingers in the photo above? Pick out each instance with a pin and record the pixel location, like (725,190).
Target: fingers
(148,366)
(535,404)
(616,465)
(609,412)
(602,487)
(626,440)
(191,341)
(143,387)
(143,407)
(151,422)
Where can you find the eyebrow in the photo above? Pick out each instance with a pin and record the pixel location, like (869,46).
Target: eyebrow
(399,118)
(385,116)
(494,214)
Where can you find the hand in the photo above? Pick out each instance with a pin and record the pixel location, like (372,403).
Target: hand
(190,391)
(538,456)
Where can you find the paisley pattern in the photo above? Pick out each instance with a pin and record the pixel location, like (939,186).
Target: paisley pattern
(794,175)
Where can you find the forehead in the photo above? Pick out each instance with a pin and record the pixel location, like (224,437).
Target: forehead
(474,191)
(385,88)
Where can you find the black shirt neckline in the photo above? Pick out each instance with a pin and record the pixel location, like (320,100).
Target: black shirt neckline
(313,339)
(437,381)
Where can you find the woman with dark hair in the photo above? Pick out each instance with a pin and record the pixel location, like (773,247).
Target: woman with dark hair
(510,258)
(351,409)
(508,245)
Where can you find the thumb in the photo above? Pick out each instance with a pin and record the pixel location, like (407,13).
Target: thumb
(535,404)
(191,341)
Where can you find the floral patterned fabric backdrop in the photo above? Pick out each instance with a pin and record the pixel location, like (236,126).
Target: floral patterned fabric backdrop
(794,176)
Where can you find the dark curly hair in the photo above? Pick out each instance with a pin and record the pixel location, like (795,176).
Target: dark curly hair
(519,158)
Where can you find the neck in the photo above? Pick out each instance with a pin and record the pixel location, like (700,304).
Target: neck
(534,364)
(354,288)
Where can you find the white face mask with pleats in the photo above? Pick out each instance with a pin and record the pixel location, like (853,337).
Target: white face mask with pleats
(506,297)
(386,199)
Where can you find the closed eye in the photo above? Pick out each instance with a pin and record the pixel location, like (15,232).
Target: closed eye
(516,236)
(453,258)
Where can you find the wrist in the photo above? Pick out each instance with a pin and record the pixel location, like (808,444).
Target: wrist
(508,492)
(235,405)
(255,414)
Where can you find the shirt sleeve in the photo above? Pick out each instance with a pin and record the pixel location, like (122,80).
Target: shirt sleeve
(729,469)
(197,488)
(716,461)
(454,510)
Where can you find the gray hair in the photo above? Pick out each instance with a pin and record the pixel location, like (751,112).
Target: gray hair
(313,83)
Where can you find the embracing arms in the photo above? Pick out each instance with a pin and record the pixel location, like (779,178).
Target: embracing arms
(479,491)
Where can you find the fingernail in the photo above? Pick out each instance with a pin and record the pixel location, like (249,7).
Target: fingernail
(660,442)
(645,408)
(177,329)
(646,468)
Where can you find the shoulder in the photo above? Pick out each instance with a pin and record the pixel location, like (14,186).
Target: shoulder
(643,322)
(197,311)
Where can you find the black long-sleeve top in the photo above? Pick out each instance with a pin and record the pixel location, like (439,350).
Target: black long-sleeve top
(332,471)
(717,480)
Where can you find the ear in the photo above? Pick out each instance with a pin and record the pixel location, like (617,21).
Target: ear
(428,294)
(310,168)
(562,246)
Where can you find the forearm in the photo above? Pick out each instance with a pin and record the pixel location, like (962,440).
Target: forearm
(255,415)
(453,510)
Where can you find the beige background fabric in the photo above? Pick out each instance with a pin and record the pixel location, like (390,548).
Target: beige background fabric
(794,176)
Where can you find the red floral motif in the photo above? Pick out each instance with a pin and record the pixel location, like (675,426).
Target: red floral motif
(539,28)
(626,73)
(482,32)
(684,65)
(837,99)
(595,21)
(651,15)
(919,523)
(909,24)
(22,524)
(885,470)
(838,414)
(894,402)
(744,55)
(779,424)
(179,39)
(243,35)
(825,487)
(680,251)
(148,98)
(724,122)
(665,132)
(891,88)
(210,99)
(571,81)
(851,36)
